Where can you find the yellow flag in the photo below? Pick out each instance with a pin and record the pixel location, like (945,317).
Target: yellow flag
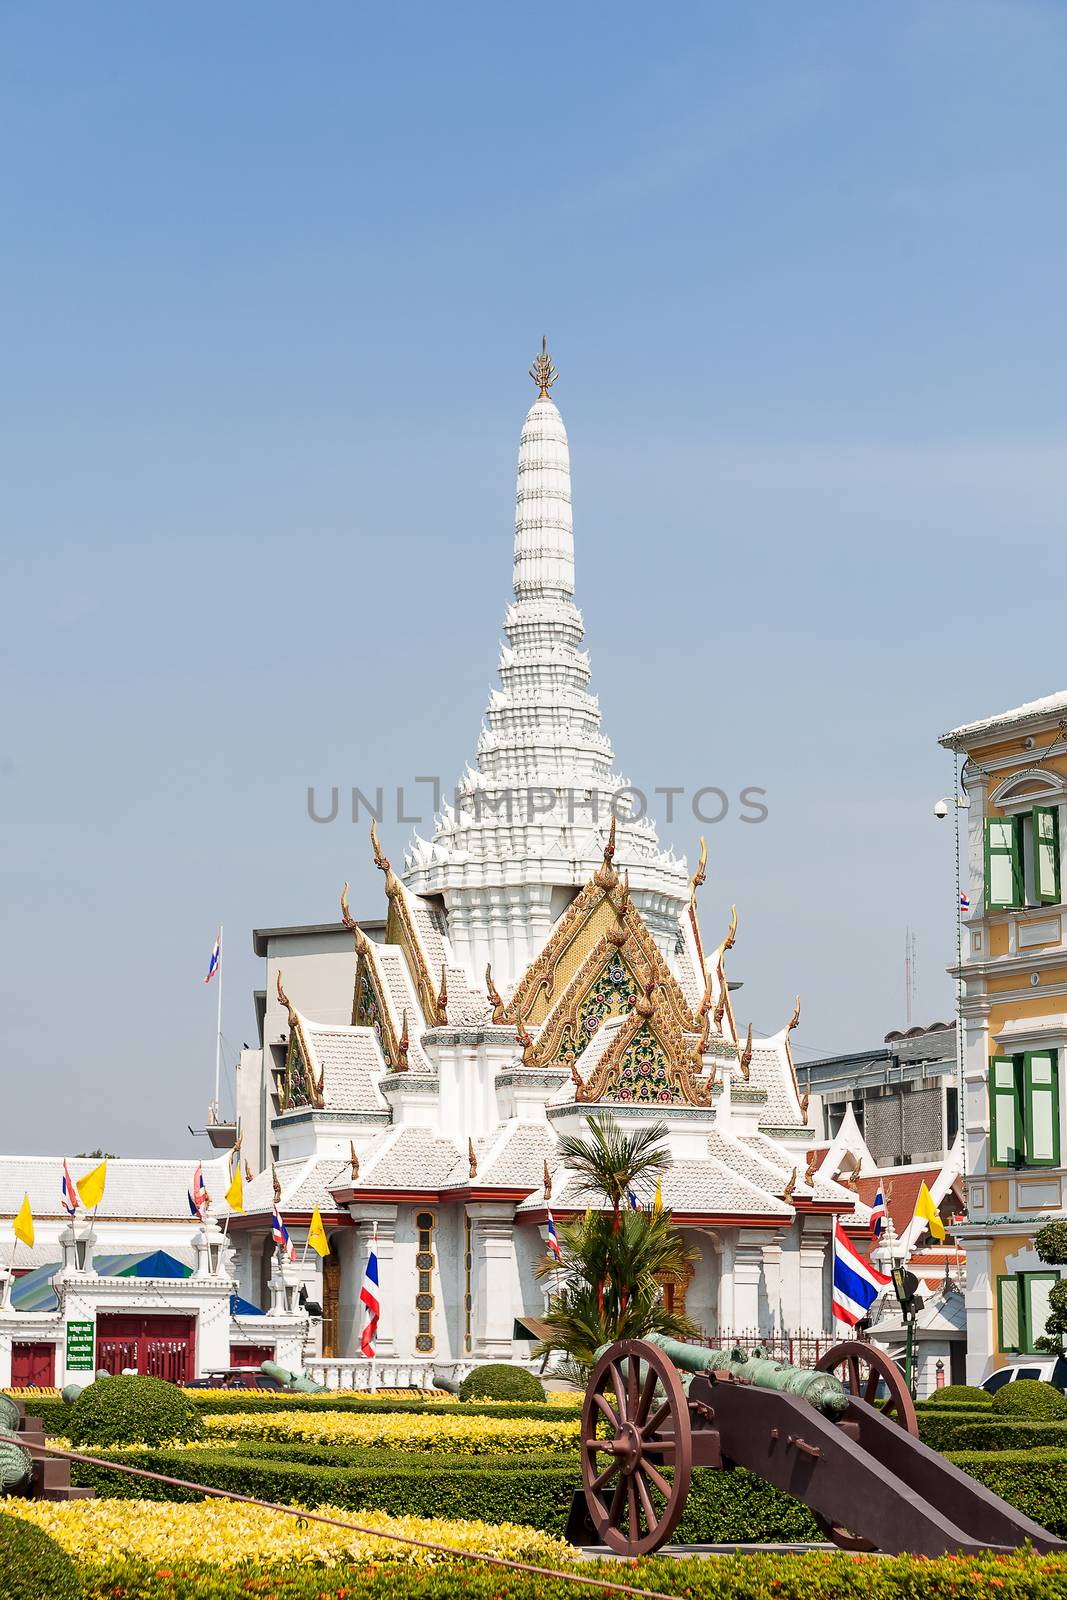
(23,1223)
(317,1235)
(657,1203)
(91,1187)
(925,1208)
(235,1194)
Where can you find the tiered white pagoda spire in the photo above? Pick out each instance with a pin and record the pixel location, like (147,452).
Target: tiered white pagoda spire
(532,818)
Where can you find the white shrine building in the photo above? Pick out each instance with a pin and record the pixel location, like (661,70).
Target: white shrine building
(540,958)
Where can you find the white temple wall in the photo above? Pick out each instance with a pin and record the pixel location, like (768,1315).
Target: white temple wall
(702,1299)
(350,1247)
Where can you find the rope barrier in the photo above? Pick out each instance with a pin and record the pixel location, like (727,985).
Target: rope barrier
(355,1527)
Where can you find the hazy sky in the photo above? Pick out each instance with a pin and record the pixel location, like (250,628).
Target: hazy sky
(272,279)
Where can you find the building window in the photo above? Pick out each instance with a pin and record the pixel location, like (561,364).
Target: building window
(1024,1110)
(1022,1310)
(468,1297)
(1022,860)
(424,1263)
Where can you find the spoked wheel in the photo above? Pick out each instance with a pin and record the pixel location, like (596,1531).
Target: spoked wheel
(637,1448)
(861,1367)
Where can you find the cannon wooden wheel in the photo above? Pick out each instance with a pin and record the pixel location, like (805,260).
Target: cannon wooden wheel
(861,1367)
(636,1447)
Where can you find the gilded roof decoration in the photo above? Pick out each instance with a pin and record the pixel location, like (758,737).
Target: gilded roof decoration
(298,1086)
(400,929)
(440,1005)
(647,1062)
(499,1013)
(744,1057)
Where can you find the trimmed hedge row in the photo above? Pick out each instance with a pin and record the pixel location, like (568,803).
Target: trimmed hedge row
(939,1428)
(55,1414)
(746,1577)
(722,1507)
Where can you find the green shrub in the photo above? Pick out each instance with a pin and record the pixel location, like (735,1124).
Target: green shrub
(1030,1398)
(959,1394)
(33,1566)
(1021,1576)
(132,1411)
(1033,1481)
(1050,1242)
(939,1426)
(501,1381)
(1008,1433)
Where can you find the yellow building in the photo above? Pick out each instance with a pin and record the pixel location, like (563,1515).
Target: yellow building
(1014,1013)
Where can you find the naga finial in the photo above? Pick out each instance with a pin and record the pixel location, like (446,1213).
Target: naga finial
(284,998)
(787,1192)
(731,932)
(744,1059)
(277,1184)
(248,1173)
(472,1158)
(523,1038)
(441,1007)
(402,1044)
(353,1160)
(809,1170)
(578,1082)
(644,1004)
(720,1004)
(350,922)
(702,869)
(795,1018)
(494,997)
(381,860)
(605,876)
(548,1181)
(805,1101)
(543,372)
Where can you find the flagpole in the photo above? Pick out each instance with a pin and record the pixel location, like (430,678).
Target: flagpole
(218,1030)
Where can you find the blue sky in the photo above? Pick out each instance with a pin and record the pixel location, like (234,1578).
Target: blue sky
(273,277)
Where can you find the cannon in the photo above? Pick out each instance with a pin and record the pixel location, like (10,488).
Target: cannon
(842,1438)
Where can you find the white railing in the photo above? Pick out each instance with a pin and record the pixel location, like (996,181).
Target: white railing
(386,1373)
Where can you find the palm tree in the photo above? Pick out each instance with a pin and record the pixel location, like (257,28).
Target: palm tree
(613,1163)
(607,1286)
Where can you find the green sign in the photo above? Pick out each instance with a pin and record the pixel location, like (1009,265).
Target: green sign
(81,1346)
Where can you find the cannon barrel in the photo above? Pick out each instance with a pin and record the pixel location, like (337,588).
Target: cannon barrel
(820,1389)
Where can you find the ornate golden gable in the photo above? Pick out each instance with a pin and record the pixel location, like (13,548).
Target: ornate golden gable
(602,915)
(370,1007)
(649,1062)
(298,1086)
(400,930)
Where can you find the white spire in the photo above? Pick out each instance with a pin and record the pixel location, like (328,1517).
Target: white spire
(536,809)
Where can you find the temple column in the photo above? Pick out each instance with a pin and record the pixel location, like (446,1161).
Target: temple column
(493,1276)
(748,1280)
(814,1243)
(771,1254)
(384,1216)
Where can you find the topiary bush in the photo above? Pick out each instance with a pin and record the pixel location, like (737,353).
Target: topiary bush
(133,1411)
(500,1381)
(33,1565)
(959,1394)
(1030,1398)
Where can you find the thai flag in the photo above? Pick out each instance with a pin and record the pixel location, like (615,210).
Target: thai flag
(553,1240)
(965,904)
(71,1198)
(857,1284)
(369,1299)
(198,1193)
(216,957)
(281,1235)
(878,1214)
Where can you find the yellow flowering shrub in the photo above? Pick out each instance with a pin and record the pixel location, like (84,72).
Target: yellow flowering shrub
(472,1435)
(227,1534)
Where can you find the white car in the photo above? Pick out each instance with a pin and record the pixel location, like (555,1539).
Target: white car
(1045,1369)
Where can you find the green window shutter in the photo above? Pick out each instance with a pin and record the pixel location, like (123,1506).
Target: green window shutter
(1041,1108)
(1008,1318)
(1005,1118)
(1045,822)
(1003,863)
(1036,1288)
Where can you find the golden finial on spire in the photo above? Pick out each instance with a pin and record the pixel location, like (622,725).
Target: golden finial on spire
(494,998)
(543,372)
(702,869)
(605,876)
(744,1059)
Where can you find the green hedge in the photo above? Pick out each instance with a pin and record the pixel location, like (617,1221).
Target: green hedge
(1009,1433)
(959,1394)
(536,1490)
(56,1416)
(1028,1397)
(746,1577)
(33,1565)
(722,1506)
(502,1380)
(940,1427)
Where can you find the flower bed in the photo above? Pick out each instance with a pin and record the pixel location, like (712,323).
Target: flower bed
(412,1432)
(228,1535)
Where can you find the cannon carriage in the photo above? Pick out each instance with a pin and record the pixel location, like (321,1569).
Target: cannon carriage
(656,1409)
